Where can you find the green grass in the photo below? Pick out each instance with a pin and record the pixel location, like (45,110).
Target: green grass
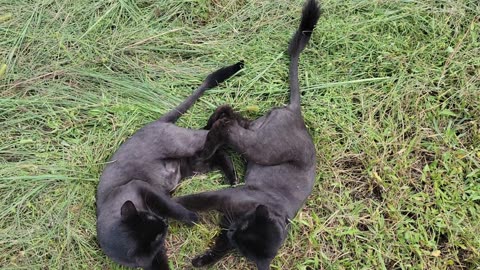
(392,100)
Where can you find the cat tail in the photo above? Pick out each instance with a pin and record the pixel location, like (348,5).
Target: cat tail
(310,14)
(211,81)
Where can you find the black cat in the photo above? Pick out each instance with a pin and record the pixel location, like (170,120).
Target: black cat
(280,171)
(133,196)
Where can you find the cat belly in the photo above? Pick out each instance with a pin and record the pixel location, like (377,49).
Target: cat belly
(166,174)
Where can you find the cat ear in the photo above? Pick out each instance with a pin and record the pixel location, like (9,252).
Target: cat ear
(261,211)
(128,210)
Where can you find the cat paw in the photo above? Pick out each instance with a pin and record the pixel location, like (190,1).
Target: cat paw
(221,124)
(202,260)
(224,111)
(191,218)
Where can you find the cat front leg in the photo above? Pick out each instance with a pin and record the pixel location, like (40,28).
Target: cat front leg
(210,200)
(222,161)
(160,261)
(220,248)
(161,204)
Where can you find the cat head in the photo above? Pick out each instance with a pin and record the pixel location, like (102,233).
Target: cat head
(136,237)
(258,235)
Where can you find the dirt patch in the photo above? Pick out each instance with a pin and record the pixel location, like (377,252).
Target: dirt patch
(353,175)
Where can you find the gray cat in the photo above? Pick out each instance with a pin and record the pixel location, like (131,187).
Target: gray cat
(280,171)
(133,196)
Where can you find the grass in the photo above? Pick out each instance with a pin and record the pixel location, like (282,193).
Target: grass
(391,98)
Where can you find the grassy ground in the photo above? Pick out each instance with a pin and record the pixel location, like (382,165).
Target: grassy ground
(392,100)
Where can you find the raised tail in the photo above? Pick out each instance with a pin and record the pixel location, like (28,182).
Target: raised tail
(310,14)
(211,81)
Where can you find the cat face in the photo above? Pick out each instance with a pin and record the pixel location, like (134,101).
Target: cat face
(137,237)
(258,236)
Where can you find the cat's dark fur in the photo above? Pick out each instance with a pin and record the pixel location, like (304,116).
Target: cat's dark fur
(133,196)
(280,171)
